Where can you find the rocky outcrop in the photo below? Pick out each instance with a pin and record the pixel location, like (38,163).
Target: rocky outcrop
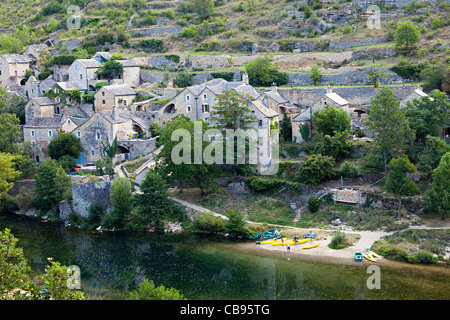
(85,194)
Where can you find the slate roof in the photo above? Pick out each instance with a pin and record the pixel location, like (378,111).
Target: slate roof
(276,96)
(43,101)
(218,86)
(45,122)
(78,121)
(15,58)
(128,63)
(304,116)
(120,90)
(89,63)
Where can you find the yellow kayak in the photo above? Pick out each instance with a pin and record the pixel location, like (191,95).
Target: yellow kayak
(369,258)
(279,243)
(292,242)
(310,246)
(269,241)
(374,255)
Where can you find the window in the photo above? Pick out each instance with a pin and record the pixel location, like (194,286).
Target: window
(188,97)
(188,109)
(79,134)
(56,90)
(260,123)
(57,99)
(76,67)
(81,76)
(205,96)
(92,152)
(32,133)
(104,101)
(205,107)
(37,159)
(103,93)
(98,136)
(49,133)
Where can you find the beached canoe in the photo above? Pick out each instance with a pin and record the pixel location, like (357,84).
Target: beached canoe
(310,246)
(374,255)
(269,241)
(369,258)
(281,243)
(293,242)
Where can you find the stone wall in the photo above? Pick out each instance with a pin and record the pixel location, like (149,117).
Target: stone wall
(353,77)
(85,194)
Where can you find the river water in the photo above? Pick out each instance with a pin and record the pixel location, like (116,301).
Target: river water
(211,267)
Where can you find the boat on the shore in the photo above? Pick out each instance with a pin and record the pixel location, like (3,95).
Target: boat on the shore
(369,258)
(310,246)
(269,234)
(358,256)
(375,255)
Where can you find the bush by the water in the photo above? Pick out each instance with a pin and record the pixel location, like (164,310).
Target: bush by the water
(313,204)
(209,223)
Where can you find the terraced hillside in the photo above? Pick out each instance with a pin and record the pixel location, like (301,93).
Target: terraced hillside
(333,34)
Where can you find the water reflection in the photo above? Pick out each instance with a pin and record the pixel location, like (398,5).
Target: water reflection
(206,267)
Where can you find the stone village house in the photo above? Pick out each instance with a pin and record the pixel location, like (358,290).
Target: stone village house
(118,95)
(12,69)
(197,102)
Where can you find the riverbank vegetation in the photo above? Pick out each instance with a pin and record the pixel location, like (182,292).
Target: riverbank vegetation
(415,246)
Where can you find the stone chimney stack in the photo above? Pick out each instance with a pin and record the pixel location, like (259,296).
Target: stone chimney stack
(114,114)
(274,88)
(245,77)
(329,90)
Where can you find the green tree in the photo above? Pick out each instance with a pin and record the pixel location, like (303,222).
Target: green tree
(406,34)
(121,201)
(66,144)
(437,198)
(286,127)
(315,75)
(330,120)
(374,75)
(148,291)
(429,159)
(9,133)
(231,112)
(55,280)
(14,269)
(15,279)
(337,146)
(110,69)
(263,72)
(428,115)
(236,225)
(153,203)
(52,184)
(203,8)
(183,79)
(7,172)
(388,123)
(398,180)
(315,168)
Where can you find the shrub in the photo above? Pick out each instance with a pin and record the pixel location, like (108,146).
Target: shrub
(190,32)
(316,168)
(313,204)
(338,241)
(421,257)
(210,223)
(349,169)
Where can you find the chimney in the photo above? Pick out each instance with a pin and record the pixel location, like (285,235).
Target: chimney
(329,90)
(274,88)
(114,114)
(245,77)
